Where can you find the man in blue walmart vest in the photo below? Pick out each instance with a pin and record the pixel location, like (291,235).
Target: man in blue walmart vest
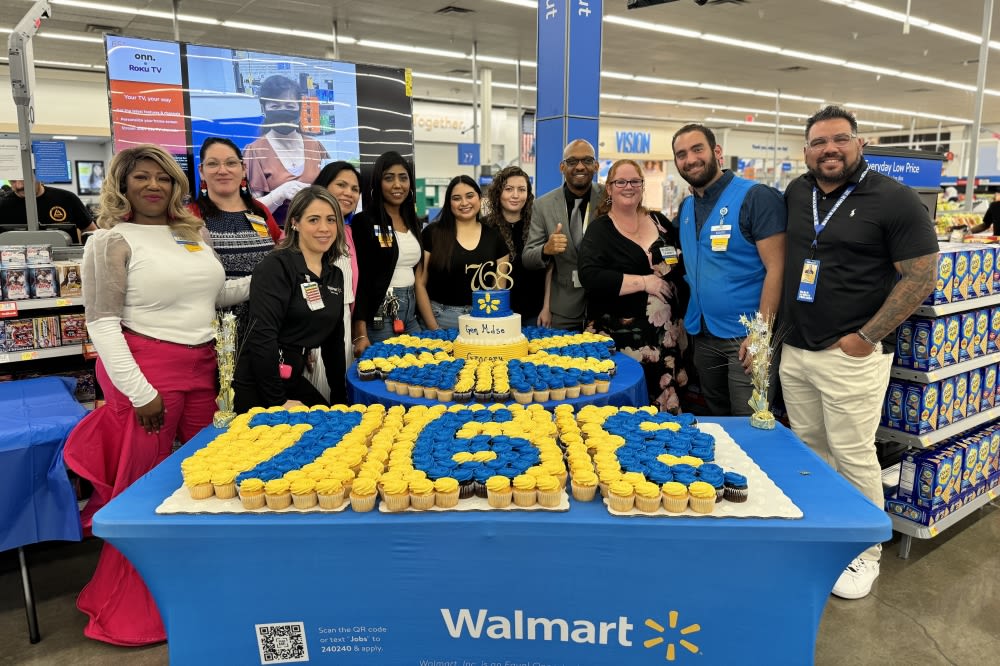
(732,233)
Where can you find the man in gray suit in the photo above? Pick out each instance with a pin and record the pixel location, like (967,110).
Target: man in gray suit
(558,222)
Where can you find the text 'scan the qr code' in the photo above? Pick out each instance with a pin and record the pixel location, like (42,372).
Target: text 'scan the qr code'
(282,642)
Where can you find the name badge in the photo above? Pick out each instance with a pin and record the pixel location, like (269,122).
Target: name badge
(808,281)
(311,292)
(384,240)
(668,254)
(717,229)
(258,224)
(720,243)
(189,245)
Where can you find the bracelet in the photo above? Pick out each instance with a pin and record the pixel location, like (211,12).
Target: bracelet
(360,337)
(864,336)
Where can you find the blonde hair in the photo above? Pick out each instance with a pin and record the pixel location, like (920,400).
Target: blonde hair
(115,206)
(605,204)
(297,208)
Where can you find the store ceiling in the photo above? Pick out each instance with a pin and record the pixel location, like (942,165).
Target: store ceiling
(508,31)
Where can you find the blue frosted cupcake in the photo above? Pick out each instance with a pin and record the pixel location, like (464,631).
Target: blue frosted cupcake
(736,489)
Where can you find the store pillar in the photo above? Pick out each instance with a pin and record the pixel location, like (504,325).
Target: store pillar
(569,82)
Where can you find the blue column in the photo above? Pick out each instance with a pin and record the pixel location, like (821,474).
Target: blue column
(569,82)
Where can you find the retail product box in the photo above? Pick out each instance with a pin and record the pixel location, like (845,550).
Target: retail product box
(14,281)
(960,403)
(921,407)
(988,400)
(46,332)
(966,332)
(72,328)
(895,399)
(20,335)
(952,339)
(43,282)
(975,398)
(981,333)
(976,275)
(932,477)
(944,282)
(993,343)
(991,465)
(989,268)
(947,402)
(970,460)
(928,517)
(36,255)
(904,344)
(962,284)
(929,341)
(13,255)
(69,278)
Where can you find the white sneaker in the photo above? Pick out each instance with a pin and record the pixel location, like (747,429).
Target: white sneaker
(856,581)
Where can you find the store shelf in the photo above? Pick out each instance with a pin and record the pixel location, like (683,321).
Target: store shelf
(44,303)
(925,376)
(957,306)
(939,435)
(911,530)
(36,354)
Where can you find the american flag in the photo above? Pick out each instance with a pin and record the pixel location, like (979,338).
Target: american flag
(528,138)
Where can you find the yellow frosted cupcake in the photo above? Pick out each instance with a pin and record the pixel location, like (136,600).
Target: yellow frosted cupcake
(277,494)
(446,492)
(525,493)
(584,485)
(675,496)
(621,496)
(421,493)
(647,497)
(549,490)
(224,483)
(396,493)
(252,493)
(702,497)
(199,484)
(363,494)
(330,493)
(303,493)
(498,492)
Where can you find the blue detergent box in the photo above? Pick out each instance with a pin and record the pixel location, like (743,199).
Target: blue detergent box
(922,402)
(904,344)
(946,406)
(966,332)
(988,400)
(975,398)
(960,403)
(994,331)
(981,333)
(944,281)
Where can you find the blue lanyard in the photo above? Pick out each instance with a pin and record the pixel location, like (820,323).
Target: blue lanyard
(820,226)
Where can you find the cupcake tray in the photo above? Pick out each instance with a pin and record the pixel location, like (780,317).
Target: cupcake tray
(180,502)
(482,504)
(766,499)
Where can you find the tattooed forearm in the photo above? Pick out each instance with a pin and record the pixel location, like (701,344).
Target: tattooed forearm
(916,282)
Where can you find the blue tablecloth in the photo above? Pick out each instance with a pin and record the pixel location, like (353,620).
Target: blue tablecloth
(628,387)
(37,502)
(580,587)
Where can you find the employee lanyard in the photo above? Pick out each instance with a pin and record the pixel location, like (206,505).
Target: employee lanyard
(820,226)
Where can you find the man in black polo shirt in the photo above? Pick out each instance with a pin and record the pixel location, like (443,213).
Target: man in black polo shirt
(55,206)
(851,233)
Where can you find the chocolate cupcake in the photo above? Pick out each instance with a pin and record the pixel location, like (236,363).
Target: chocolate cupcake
(736,489)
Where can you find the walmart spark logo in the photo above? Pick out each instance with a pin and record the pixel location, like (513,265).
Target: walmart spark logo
(671,647)
(488,304)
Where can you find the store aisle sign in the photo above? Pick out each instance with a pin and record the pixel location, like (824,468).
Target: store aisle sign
(911,171)
(633,142)
(468,154)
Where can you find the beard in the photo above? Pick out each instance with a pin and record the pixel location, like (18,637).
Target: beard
(836,177)
(709,173)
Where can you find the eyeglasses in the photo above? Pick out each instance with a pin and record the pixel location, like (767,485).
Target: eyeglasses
(839,140)
(573,161)
(621,183)
(212,165)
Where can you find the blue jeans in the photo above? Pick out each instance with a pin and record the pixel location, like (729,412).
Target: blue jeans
(407,314)
(447,315)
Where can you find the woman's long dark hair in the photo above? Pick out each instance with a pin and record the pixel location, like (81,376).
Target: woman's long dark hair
(444,230)
(376,204)
(204,202)
(495,216)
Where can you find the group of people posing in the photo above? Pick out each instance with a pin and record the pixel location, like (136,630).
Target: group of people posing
(840,259)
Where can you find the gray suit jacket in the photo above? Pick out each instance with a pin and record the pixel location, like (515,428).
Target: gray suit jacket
(549,210)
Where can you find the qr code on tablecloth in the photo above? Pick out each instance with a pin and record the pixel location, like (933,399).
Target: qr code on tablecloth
(282,642)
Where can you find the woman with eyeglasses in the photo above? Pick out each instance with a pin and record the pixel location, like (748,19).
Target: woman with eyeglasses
(387,238)
(282,160)
(632,270)
(454,249)
(509,200)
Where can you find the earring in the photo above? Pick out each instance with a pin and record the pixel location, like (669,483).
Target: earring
(608,201)
(203,190)
(244,188)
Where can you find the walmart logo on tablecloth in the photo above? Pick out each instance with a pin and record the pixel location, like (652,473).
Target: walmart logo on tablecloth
(480,623)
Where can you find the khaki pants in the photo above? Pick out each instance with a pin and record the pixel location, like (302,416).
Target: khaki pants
(834,404)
